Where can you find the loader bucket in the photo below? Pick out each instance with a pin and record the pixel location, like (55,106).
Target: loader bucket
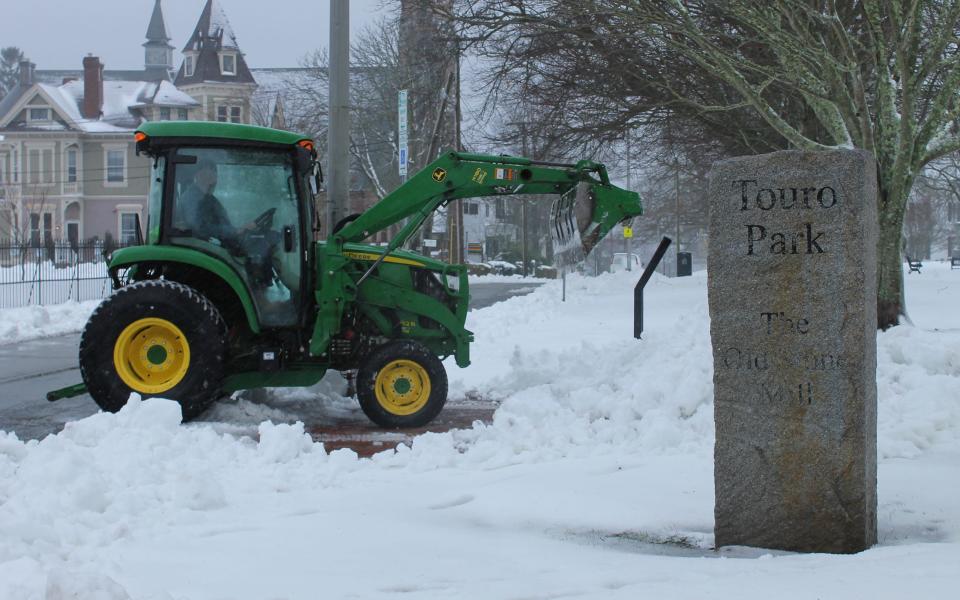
(582,216)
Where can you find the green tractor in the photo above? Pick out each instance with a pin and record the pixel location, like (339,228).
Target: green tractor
(230,290)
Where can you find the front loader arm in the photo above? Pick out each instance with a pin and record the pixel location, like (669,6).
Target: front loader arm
(453,176)
(457,175)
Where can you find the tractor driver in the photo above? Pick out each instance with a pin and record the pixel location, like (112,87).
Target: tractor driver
(202,210)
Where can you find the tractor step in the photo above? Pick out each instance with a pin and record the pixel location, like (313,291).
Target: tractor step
(67,392)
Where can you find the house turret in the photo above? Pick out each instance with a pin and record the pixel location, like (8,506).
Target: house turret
(158,52)
(214,70)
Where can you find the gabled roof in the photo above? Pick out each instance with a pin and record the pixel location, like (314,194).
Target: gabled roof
(212,35)
(11,99)
(121,99)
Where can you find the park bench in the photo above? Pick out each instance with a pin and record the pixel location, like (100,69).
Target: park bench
(955,262)
(914,265)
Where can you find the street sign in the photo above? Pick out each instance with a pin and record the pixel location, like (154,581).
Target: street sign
(402,132)
(627,232)
(428,243)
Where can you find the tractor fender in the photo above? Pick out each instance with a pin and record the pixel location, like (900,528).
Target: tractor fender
(133,255)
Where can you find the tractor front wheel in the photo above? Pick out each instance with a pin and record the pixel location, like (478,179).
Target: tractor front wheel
(156,338)
(402,384)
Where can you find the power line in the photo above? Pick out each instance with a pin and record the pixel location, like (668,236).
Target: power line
(40,184)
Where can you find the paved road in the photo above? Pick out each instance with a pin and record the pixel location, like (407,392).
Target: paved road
(30,369)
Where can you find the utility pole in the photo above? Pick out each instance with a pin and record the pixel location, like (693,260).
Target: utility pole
(338,129)
(629,187)
(523,204)
(455,209)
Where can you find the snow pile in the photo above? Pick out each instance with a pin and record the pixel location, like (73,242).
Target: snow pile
(127,477)
(594,479)
(31,322)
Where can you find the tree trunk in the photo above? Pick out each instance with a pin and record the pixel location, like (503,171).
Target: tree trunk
(890,301)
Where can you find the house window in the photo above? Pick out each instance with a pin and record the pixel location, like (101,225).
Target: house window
(71,165)
(471,208)
(40,234)
(165,114)
(128,228)
(188,65)
(229,114)
(38,114)
(228,64)
(182,114)
(4,169)
(34,166)
(116,165)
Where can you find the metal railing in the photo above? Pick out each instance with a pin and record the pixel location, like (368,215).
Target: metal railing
(53,272)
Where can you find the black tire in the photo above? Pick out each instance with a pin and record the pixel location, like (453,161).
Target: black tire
(156,308)
(399,404)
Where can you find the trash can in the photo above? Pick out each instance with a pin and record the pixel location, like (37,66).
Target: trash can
(684,264)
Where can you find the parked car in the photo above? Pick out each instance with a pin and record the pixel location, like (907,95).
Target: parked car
(502,267)
(620,262)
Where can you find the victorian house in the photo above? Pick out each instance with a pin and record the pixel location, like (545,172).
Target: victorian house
(67,164)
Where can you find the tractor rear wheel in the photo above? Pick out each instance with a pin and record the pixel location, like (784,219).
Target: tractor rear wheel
(156,338)
(402,384)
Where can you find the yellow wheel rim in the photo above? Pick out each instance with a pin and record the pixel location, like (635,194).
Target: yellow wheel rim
(151,355)
(402,387)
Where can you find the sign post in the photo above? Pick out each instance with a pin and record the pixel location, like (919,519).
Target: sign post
(402,157)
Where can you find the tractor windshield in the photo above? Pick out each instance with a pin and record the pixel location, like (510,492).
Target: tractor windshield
(240,205)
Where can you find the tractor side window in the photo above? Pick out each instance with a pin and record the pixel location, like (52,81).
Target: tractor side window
(240,205)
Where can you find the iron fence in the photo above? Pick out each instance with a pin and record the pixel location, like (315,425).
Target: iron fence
(53,272)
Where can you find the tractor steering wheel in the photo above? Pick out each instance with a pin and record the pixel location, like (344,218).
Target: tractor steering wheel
(264,221)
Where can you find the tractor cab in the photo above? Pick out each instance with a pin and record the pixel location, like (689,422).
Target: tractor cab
(242,196)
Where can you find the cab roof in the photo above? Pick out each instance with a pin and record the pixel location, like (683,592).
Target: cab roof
(216,130)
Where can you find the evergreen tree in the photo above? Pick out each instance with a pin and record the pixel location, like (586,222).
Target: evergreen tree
(10,58)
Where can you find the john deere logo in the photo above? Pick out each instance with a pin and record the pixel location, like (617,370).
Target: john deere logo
(439,174)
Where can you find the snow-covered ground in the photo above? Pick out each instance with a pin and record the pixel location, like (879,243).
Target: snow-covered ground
(32,322)
(593,481)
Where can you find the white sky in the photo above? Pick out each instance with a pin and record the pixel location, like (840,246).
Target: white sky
(57,34)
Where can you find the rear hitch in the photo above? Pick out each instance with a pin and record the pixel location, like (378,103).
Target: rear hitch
(67,392)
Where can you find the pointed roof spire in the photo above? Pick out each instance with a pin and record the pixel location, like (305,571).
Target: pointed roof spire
(213,37)
(213,27)
(157,30)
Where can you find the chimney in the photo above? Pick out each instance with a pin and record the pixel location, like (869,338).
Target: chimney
(26,73)
(92,87)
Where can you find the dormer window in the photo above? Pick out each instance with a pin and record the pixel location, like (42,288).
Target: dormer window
(38,114)
(188,65)
(228,63)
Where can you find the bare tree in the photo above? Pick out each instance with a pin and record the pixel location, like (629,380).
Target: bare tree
(933,214)
(751,74)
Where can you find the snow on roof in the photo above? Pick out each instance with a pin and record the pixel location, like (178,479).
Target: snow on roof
(219,23)
(165,94)
(119,98)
